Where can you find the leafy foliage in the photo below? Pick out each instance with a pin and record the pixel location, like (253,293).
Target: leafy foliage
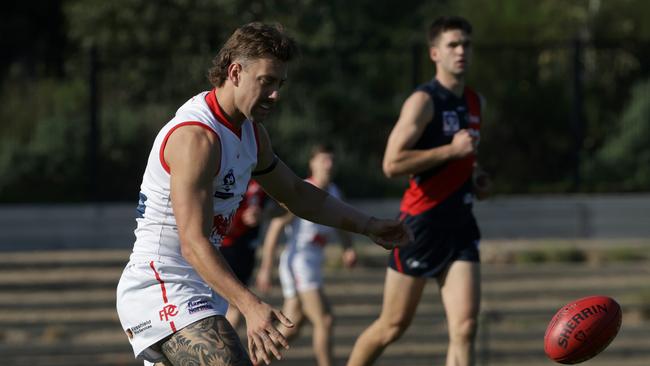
(624,160)
(359,61)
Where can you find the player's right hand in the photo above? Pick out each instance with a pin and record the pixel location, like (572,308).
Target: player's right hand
(264,339)
(462,144)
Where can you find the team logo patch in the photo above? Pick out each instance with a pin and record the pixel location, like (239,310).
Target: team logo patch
(141,205)
(169,311)
(450,122)
(227,184)
(228,181)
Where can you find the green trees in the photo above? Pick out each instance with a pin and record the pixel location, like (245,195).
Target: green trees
(623,162)
(359,61)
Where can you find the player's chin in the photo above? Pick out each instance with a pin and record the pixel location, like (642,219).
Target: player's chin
(260,114)
(460,71)
(257,117)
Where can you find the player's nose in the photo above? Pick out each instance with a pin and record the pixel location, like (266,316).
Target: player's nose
(275,95)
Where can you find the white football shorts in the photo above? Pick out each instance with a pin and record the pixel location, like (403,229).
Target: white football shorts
(300,271)
(157,298)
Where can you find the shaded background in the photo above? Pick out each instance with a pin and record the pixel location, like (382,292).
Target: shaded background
(86,85)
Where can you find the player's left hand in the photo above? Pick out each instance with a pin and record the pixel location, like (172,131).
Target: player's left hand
(252,216)
(349,257)
(389,234)
(481,183)
(264,338)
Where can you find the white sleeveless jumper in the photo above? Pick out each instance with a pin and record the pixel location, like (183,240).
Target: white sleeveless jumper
(159,291)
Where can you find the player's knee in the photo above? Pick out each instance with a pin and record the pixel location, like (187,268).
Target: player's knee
(393,333)
(323,321)
(328,321)
(393,329)
(464,331)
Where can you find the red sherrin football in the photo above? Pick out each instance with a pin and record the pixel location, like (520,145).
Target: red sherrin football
(582,329)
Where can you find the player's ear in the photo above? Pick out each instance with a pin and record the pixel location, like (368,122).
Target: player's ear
(433,53)
(234,73)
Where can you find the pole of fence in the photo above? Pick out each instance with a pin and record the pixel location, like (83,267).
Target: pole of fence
(577,111)
(93,130)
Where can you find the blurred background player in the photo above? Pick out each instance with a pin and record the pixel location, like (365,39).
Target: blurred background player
(435,142)
(238,246)
(302,259)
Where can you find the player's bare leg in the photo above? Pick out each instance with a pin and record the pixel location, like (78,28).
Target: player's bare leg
(208,342)
(402,294)
(233,315)
(292,309)
(317,310)
(460,288)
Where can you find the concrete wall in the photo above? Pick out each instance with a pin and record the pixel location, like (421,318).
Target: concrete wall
(566,216)
(31,227)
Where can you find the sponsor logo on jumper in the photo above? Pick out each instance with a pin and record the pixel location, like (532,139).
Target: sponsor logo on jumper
(450,122)
(169,311)
(196,306)
(474,119)
(223,195)
(138,328)
(572,324)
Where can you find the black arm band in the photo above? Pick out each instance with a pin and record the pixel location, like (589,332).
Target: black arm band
(267,169)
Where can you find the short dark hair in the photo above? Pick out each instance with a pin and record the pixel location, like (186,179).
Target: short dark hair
(321,148)
(446,23)
(252,41)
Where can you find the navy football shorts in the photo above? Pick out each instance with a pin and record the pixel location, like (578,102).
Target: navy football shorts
(435,247)
(241,258)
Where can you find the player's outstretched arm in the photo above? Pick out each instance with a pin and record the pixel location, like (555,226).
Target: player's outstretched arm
(313,204)
(271,239)
(193,154)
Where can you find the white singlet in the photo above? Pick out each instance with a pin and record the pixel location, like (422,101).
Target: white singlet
(159,291)
(302,258)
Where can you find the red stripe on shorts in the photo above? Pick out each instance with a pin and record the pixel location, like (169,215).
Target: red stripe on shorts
(162,283)
(398,263)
